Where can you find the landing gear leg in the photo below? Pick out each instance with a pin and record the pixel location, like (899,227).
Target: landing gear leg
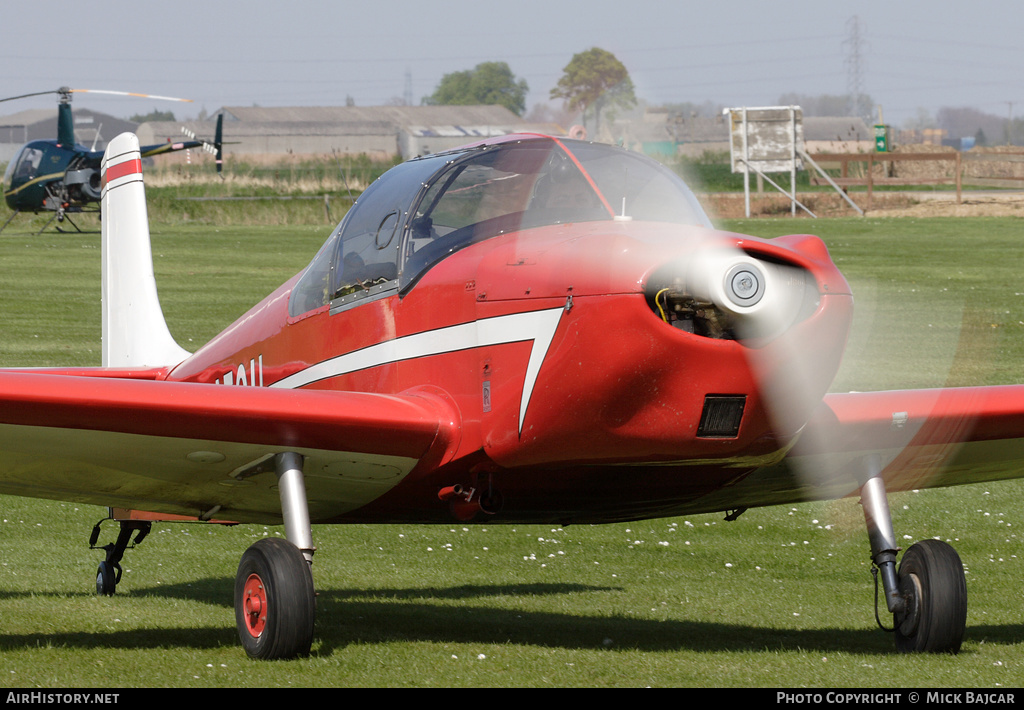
(927,595)
(108,574)
(48,223)
(275,601)
(13,215)
(64,217)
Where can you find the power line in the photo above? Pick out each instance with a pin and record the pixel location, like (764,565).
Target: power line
(854,44)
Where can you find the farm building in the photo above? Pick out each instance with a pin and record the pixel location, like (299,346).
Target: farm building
(92,129)
(664,133)
(838,134)
(379,131)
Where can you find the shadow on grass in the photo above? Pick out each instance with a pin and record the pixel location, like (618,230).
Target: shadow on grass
(471,614)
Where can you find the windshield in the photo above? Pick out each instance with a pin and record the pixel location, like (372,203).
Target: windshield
(638,187)
(421,211)
(25,166)
(519,185)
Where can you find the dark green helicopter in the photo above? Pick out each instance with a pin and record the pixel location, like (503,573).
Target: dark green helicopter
(63,177)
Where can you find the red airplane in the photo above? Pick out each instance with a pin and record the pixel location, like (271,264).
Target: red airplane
(526,329)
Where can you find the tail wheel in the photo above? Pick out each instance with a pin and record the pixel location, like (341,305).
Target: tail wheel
(275,603)
(107,577)
(931,579)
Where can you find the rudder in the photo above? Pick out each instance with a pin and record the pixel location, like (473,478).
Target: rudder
(135,333)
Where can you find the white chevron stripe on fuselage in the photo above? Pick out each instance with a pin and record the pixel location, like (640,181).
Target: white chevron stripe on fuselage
(536,326)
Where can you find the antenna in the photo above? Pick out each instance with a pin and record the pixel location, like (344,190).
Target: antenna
(623,217)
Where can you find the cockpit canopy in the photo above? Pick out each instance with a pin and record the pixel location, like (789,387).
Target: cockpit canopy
(25,166)
(423,210)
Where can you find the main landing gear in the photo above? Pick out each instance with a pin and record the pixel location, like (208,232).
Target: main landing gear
(927,595)
(275,602)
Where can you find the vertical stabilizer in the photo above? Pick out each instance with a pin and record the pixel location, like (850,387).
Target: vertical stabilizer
(134,331)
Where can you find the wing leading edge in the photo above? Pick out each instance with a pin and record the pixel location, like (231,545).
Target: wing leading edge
(920,438)
(187,449)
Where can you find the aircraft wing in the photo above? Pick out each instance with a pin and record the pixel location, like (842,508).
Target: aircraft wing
(186,449)
(919,438)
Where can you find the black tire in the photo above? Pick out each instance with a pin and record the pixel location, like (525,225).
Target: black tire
(275,603)
(931,578)
(106,579)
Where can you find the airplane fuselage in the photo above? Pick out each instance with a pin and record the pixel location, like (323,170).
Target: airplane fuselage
(573,398)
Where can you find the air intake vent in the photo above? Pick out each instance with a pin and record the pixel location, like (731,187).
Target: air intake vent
(721,416)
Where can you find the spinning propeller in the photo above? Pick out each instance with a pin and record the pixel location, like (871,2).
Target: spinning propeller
(767,301)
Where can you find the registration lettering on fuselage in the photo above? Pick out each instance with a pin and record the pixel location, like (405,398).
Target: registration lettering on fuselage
(251,377)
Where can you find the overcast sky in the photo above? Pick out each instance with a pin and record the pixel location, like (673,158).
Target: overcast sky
(914,55)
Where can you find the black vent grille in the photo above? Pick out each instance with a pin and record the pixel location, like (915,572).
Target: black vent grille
(721,416)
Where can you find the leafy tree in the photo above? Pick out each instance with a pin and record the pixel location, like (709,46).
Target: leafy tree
(922,120)
(489,83)
(595,80)
(965,121)
(153,115)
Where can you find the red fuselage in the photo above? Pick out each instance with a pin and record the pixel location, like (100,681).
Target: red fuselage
(575,396)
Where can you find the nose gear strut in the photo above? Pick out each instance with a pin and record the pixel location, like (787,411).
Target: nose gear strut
(927,595)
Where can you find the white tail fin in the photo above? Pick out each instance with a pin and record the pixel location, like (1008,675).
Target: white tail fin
(134,331)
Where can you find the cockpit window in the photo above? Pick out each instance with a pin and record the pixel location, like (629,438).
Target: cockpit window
(513,186)
(638,187)
(314,287)
(503,188)
(418,213)
(360,258)
(25,167)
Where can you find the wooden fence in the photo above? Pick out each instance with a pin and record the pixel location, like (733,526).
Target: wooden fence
(890,174)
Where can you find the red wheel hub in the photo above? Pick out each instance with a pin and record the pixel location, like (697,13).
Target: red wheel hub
(254,600)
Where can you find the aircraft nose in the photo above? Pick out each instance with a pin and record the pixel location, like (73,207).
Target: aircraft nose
(725,292)
(745,284)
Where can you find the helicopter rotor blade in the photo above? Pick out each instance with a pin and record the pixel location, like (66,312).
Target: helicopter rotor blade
(25,96)
(128,93)
(66,92)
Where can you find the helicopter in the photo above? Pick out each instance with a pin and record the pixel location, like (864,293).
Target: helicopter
(63,177)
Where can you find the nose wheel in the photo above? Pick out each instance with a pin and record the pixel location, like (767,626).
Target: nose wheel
(927,595)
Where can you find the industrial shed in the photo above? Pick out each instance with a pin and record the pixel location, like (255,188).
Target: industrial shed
(663,133)
(838,134)
(92,129)
(379,131)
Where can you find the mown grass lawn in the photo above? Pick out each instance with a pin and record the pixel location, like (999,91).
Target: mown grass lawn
(782,597)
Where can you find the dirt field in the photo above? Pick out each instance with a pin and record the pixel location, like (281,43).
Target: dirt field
(903,204)
(976,202)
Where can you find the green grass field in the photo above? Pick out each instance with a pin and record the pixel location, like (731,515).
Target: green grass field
(782,597)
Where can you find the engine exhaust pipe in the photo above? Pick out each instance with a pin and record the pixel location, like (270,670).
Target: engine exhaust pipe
(465,503)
